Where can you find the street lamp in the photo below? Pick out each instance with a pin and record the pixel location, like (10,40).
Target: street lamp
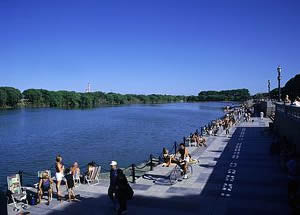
(269,86)
(279,78)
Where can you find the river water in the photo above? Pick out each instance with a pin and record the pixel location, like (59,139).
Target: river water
(30,138)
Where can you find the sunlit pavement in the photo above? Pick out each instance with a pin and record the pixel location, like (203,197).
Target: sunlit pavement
(236,175)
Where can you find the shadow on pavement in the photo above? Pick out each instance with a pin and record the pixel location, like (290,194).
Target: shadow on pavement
(245,180)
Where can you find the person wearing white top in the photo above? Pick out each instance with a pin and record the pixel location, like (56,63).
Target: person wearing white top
(261,115)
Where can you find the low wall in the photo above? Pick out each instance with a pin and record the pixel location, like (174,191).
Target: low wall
(267,107)
(287,123)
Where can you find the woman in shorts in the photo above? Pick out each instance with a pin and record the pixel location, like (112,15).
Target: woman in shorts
(59,167)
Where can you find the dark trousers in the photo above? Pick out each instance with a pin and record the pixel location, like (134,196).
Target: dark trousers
(227,131)
(123,205)
(111,193)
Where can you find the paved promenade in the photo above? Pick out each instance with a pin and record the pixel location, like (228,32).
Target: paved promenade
(236,175)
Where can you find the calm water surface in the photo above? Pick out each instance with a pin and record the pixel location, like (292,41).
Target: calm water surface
(31,138)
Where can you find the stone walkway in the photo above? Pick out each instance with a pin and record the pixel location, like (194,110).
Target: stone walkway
(235,175)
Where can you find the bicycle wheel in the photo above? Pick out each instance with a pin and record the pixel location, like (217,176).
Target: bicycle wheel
(189,171)
(174,175)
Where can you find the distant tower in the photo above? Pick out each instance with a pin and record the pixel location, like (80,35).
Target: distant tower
(88,90)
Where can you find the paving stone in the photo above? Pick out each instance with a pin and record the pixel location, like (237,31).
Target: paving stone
(140,186)
(183,190)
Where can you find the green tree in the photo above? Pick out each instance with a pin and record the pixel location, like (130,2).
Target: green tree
(224,95)
(13,96)
(34,96)
(3,98)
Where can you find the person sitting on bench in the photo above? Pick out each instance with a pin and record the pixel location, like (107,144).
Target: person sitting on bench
(167,158)
(202,141)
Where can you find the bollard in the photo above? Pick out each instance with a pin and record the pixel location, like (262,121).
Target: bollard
(175,147)
(133,172)
(151,162)
(21,177)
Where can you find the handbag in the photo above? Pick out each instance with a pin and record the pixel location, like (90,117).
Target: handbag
(130,192)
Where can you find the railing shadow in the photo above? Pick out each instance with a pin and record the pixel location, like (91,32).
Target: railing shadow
(245,180)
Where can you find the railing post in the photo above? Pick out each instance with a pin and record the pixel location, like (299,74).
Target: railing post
(175,147)
(133,172)
(21,177)
(151,162)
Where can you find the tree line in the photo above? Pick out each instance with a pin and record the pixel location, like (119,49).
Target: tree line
(223,95)
(74,99)
(11,97)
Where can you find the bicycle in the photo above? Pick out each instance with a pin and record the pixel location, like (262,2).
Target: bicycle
(177,173)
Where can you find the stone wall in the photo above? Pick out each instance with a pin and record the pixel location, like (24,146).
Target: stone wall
(264,106)
(287,123)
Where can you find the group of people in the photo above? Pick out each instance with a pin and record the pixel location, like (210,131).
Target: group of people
(70,175)
(198,139)
(226,123)
(181,157)
(296,102)
(119,189)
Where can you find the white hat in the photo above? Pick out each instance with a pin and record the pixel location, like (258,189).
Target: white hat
(113,163)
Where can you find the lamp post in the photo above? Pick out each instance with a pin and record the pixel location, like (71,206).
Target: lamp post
(279,78)
(269,86)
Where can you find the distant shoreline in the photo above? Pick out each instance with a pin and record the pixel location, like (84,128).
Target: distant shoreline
(13,98)
(28,106)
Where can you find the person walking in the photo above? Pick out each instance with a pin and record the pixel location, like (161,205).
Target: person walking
(112,184)
(123,192)
(227,127)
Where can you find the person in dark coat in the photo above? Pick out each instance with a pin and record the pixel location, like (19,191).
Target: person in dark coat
(113,180)
(122,192)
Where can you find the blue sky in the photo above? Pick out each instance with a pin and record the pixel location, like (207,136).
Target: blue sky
(158,46)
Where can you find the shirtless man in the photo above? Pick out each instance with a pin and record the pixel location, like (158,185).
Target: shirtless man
(183,159)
